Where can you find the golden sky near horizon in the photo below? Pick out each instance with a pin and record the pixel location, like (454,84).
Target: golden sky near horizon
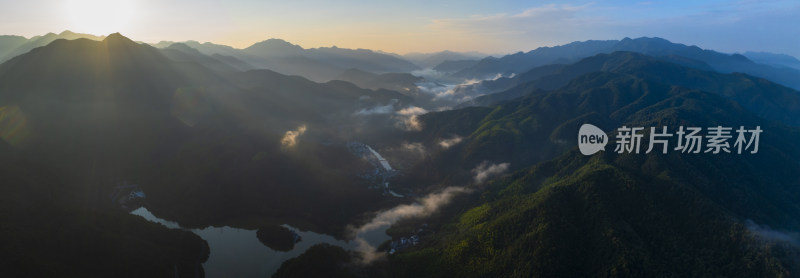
(418,26)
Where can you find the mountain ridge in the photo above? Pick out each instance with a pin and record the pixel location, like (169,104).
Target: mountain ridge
(723,63)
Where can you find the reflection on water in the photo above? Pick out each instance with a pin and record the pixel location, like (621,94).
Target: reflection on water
(239,253)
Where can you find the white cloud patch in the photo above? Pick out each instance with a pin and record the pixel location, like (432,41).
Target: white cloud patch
(436,89)
(430,74)
(464,90)
(769,234)
(423,207)
(389,108)
(289,139)
(485,170)
(410,123)
(404,118)
(412,110)
(447,143)
(385,109)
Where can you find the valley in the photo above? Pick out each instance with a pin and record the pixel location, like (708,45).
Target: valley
(188,159)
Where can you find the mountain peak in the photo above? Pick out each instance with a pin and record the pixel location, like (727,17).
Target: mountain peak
(114,36)
(118,38)
(275,45)
(277,41)
(183,47)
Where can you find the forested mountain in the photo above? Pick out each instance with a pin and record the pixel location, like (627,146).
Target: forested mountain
(11,46)
(318,64)
(80,117)
(244,138)
(624,214)
(657,47)
(610,214)
(765,98)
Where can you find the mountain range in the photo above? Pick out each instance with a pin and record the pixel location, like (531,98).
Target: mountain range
(432,60)
(765,98)
(776,60)
(318,64)
(11,46)
(260,137)
(99,113)
(609,214)
(691,55)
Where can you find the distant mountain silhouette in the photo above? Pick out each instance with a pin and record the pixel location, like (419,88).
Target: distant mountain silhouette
(451,66)
(274,48)
(11,46)
(430,60)
(520,61)
(205,48)
(180,52)
(775,60)
(234,62)
(401,82)
(765,98)
(318,64)
(569,53)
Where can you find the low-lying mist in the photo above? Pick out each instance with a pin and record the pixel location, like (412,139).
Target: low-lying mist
(423,207)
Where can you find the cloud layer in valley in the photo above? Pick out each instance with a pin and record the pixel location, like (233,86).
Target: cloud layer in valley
(486,170)
(423,207)
(290,140)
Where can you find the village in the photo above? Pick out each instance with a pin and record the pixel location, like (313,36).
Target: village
(411,241)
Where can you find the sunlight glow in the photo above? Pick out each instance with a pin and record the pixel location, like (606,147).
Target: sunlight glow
(99,17)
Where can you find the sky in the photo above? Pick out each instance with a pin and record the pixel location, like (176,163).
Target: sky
(419,26)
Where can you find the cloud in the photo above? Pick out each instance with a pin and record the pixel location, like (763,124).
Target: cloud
(416,148)
(405,118)
(545,21)
(485,170)
(368,252)
(410,123)
(446,94)
(430,74)
(289,139)
(412,110)
(767,233)
(423,207)
(385,109)
(435,88)
(447,143)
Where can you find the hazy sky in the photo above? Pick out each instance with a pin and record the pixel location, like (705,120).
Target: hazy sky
(419,26)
